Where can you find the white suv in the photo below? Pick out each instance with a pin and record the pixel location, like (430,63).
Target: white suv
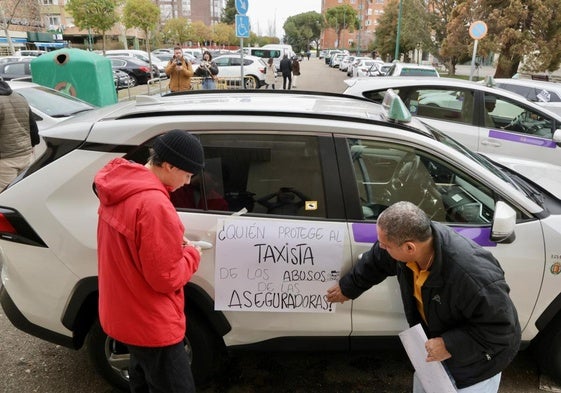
(292,187)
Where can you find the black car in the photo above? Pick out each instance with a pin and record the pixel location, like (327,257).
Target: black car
(138,70)
(13,70)
(121,79)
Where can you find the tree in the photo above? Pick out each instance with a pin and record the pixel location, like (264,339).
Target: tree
(98,15)
(229,12)
(413,30)
(176,30)
(303,29)
(442,13)
(9,9)
(224,34)
(342,17)
(527,31)
(144,15)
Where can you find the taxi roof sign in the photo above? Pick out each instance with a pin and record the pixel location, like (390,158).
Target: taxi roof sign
(394,108)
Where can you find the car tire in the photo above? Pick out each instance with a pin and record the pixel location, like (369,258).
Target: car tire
(133,80)
(548,350)
(110,358)
(251,82)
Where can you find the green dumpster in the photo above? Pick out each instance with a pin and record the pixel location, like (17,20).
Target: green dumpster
(79,73)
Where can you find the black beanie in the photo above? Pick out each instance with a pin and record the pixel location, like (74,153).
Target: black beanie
(180,149)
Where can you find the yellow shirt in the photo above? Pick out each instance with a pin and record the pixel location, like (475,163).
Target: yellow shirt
(419,278)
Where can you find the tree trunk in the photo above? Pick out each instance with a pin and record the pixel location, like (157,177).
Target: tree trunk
(508,63)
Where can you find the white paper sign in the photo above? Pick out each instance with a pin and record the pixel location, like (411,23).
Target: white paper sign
(432,375)
(274,265)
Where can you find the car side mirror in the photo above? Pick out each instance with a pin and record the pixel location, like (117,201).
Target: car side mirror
(557,137)
(504,222)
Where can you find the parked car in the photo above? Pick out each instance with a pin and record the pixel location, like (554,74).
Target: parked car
(379,69)
(121,79)
(351,68)
(138,70)
(547,94)
(345,62)
(229,66)
(12,59)
(264,272)
(15,70)
(363,67)
(406,69)
(489,120)
(141,55)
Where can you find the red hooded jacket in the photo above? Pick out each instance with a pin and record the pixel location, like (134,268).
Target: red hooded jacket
(142,263)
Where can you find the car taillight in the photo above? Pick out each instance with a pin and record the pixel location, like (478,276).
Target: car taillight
(13,227)
(262,70)
(144,69)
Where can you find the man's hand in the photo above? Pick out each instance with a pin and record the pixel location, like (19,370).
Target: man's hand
(334,295)
(436,350)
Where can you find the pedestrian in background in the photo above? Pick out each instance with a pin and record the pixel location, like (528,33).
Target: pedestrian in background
(144,261)
(286,70)
(295,70)
(179,71)
(451,286)
(208,71)
(18,134)
(270,74)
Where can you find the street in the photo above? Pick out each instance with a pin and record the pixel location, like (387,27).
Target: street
(31,365)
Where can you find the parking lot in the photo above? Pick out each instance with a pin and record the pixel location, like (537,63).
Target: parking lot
(32,365)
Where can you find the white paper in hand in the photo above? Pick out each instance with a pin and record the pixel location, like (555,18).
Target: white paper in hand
(432,375)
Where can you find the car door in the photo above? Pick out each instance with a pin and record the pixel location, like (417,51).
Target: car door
(273,233)
(510,128)
(226,67)
(384,172)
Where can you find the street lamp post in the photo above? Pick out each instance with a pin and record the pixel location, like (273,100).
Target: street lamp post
(359,26)
(398,30)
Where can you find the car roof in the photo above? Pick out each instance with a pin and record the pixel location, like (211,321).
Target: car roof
(255,103)
(388,82)
(529,83)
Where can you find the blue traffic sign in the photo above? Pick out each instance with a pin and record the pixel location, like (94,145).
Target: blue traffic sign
(242,26)
(478,30)
(241,6)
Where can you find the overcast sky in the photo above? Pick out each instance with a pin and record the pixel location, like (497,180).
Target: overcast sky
(264,13)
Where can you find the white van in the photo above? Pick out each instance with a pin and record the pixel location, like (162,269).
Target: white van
(284,48)
(265,54)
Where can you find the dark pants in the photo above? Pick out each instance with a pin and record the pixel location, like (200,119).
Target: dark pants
(284,78)
(160,370)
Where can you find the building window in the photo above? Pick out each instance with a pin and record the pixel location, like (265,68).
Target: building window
(47,2)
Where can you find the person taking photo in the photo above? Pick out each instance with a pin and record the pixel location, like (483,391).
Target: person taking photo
(179,71)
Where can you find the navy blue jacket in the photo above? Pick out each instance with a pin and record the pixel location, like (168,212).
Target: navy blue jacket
(465,298)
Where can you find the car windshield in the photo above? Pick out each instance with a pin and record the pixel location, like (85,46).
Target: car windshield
(52,102)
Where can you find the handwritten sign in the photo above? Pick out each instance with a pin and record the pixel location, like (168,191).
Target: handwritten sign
(279,266)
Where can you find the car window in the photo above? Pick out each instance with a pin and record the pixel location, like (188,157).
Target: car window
(256,172)
(247,62)
(436,103)
(235,61)
(386,173)
(223,62)
(15,68)
(537,94)
(417,72)
(505,114)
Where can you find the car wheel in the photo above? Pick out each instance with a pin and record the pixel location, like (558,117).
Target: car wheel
(133,81)
(251,82)
(548,350)
(111,358)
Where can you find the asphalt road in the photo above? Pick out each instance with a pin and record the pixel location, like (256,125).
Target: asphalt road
(28,364)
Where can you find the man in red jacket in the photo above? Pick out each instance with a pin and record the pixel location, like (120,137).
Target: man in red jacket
(144,261)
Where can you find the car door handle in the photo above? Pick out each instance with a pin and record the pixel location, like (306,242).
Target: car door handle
(202,244)
(488,142)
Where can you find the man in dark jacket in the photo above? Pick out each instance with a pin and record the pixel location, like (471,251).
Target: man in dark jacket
(18,134)
(286,70)
(453,287)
